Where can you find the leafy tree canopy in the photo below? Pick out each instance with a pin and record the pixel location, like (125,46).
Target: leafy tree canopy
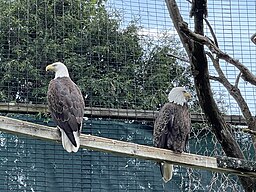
(110,63)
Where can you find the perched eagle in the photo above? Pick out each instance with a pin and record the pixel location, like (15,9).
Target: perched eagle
(66,105)
(172,126)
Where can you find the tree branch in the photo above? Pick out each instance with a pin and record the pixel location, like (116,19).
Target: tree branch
(246,74)
(177,57)
(212,32)
(237,79)
(215,78)
(235,93)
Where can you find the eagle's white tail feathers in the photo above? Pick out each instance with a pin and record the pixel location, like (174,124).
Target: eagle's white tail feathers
(66,143)
(77,138)
(167,170)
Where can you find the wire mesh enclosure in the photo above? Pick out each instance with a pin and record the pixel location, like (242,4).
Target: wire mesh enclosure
(123,55)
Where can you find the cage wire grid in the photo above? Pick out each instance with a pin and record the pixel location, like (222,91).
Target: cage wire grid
(116,51)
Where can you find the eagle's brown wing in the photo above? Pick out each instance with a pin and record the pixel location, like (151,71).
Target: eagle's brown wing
(66,104)
(172,127)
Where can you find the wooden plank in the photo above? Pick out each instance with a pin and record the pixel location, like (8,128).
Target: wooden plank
(119,147)
(238,164)
(23,108)
(145,115)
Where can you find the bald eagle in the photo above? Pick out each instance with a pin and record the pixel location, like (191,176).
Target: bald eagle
(172,127)
(66,105)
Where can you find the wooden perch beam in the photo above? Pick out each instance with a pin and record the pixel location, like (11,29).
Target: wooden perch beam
(148,115)
(131,149)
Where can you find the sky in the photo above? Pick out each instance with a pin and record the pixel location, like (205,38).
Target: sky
(233,21)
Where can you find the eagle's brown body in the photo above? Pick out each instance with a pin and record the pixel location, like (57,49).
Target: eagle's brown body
(172,127)
(66,104)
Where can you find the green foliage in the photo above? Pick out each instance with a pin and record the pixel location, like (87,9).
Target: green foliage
(109,63)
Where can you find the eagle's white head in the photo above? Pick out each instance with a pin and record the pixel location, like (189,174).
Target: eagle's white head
(59,68)
(179,95)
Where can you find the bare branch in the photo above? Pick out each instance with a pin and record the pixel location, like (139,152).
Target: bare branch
(214,61)
(212,32)
(176,16)
(214,78)
(177,57)
(246,74)
(216,65)
(237,79)
(235,93)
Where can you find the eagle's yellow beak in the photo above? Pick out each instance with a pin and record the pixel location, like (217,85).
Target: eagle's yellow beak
(49,68)
(187,95)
